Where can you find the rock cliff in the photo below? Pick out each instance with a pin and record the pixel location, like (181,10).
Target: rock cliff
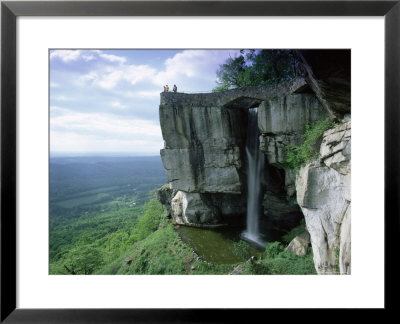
(204,156)
(204,151)
(323,193)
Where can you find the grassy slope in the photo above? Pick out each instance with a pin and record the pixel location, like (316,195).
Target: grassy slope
(162,252)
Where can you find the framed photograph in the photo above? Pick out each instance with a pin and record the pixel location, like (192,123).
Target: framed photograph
(211,140)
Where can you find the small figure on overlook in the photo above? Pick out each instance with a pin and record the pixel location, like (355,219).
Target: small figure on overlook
(175,88)
(166,88)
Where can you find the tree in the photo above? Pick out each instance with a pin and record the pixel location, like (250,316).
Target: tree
(83,260)
(256,67)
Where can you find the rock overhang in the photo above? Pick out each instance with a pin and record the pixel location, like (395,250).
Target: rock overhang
(244,97)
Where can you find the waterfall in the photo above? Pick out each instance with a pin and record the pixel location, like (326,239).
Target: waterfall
(254,174)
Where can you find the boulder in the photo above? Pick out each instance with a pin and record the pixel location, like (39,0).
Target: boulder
(190,209)
(164,196)
(299,244)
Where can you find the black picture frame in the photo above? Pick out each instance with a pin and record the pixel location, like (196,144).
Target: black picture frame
(10,10)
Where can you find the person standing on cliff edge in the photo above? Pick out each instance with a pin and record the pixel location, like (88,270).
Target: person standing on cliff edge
(175,89)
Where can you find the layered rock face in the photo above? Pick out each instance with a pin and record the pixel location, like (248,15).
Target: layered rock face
(203,157)
(204,149)
(323,193)
(281,123)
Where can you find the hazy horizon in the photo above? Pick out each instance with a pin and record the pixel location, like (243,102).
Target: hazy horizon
(100,154)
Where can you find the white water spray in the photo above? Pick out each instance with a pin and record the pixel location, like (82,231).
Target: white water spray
(255,171)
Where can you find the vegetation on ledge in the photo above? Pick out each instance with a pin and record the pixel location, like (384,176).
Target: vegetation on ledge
(297,156)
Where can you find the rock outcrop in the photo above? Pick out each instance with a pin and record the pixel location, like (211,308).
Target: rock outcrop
(299,244)
(323,193)
(282,122)
(204,149)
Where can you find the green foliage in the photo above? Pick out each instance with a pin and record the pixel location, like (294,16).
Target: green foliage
(105,228)
(242,249)
(297,156)
(273,249)
(150,220)
(204,268)
(291,264)
(95,205)
(278,262)
(100,239)
(83,260)
(256,67)
(162,252)
(159,253)
(287,238)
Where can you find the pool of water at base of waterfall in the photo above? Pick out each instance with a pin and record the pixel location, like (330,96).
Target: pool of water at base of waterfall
(217,245)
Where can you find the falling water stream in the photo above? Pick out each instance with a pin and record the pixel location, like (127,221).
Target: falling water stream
(255,171)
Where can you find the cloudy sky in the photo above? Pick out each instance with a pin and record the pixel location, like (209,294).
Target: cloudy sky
(106,101)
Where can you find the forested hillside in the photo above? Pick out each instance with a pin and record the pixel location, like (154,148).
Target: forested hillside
(95,203)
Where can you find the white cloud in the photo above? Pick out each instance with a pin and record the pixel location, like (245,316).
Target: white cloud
(100,122)
(137,73)
(117,104)
(62,98)
(109,80)
(109,76)
(125,91)
(187,69)
(65,55)
(113,58)
(85,143)
(86,55)
(86,78)
(146,94)
(191,64)
(72,131)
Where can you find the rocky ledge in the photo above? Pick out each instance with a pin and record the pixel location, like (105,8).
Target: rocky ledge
(323,194)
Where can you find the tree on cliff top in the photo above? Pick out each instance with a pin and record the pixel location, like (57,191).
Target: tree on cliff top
(256,67)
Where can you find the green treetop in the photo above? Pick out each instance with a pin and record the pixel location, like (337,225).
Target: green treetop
(255,68)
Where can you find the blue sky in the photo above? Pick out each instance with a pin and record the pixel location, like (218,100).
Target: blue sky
(106,101)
